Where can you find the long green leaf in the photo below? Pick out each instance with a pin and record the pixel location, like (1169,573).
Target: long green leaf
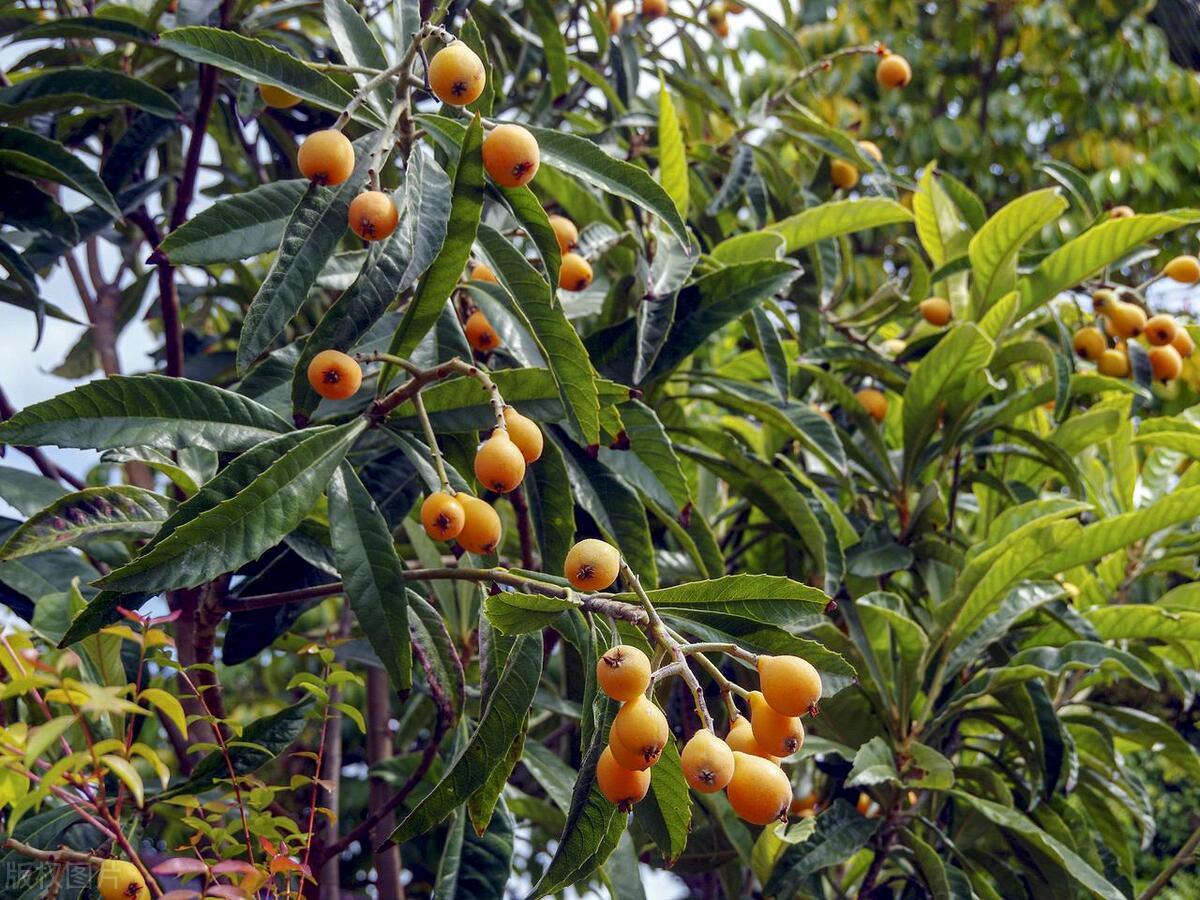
(993,250)
(235,227)
(66,88)
(672,155)
(67,169)
(839,217)
(117,512)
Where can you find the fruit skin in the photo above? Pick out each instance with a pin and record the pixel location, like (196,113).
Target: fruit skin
(1126,320)
(791,685)
(653,9)
(565,232)
(615,20)
(626,758)
(1161,330)
(1104,300)
(442,516)
(936,311)
(481,526)
(575,273)
(499,464)
(510,155)
(707,762)
(1121,212)
(334,375)
(120,880)
(1113,363)
(480,333)
(1089,343)
(525,434)
(592,565)
(741,739)
(1183,343)
(721,29)
(715,13)
(326,157)
(277,97)
(373,215)
(623,672)
(483,272)
(1165,363)
(778,734)
(456,75)
(759,791)
(873,402)
(1183,268)
(843,175)
(893,71)
(642,728)
(872,150)
(620,785)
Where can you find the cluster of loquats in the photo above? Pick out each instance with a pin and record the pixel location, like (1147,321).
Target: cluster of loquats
(1167,343)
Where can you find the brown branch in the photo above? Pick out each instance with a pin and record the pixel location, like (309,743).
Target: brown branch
(36,456)
(1185,857)
(61,857)
(524,529)
(379,751)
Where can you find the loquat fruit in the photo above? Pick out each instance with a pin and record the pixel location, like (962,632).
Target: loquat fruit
(734,8)
(865,804)
(592,565)
(778,734)
(1113,363)
(791,685)
(623,672)
(1089,343)
(893,71)
(872,150)
(1126,320)
(575,273)
(805,807)
(481,525)
(480,333)
(936,311)
(1161,330)
(1183,342)
(615,20)
(277,97)
(721,28)
(373,215)
(741,738)
(442,516)
(525,434)
(874,402)
(759,791)
(642,728)
(456,75)
(626,758)
(1185,269)
(483,272)
(1104,300)
(326,157)
(653,9)
(121,880)
(707,762)
(1165,363)
(334,375)
(893,346)
(843,175)
(618,784)
(715,12)
(510,155)
(1120,212)
(565,231)
(499,464)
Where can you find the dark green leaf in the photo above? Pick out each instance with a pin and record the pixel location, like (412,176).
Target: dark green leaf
(66,88)
(118,512)
(236,227)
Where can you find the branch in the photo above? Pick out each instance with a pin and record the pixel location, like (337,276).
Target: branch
(1185,857)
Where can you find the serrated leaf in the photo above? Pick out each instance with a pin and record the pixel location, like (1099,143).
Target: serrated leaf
(66,168)
(28,492)
(114,29)
(554,46)
(358,46)
(434,649)
(117,512)
(765,598)
(836,218)
(65,88)
(873,764)
(839,834)
(515,613)
(235,227)
(993,250)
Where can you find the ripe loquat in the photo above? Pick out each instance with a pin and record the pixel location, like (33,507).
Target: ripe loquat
(791,685)
(456,75)
(721,28)
(1089,343)
(277,97)
(843,175)
(620,785)
(499,464)
(1165,363)
(874,402)
(893,71)
(510,155)
(759,791)
(481,525)
(326,157)
(1161,330)
(525,434)
(334,375)
(121,880)
(623,672)
(1126,320)
(1104,300)
(565,231)
(442,516)
(592,565)
(872,150)
(1185,269)
(480,333)
(734,8)
(715,12)
(483,272)
(575,273)
(373,215)
(936,311)
(707,762)
(626,758)
(805,807)
(1120,212)
(642,727)
(741,738)
(653,9)
(1113,363)
(1183,343)
(615,20)
(778,734)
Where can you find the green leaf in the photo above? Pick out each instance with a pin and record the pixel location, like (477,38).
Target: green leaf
(554,46)
(669,270)
(514,613)
(873,764)
(443,275)
(434,649)
(118,512)
(765,598)
(371,572)
(114,29)
(840,833)
(309,239)
(262,64)
(649,463)
(666,813)
(477,867)
(359,47)
(836,218)
(144,411)
(245,523)
(548,488)
(235,227)
(125,771)
(65,88)
(65,167)
(993,250)
(507,704)
(672,155)
(27,492)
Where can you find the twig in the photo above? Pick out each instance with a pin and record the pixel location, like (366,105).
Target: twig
(1185,857)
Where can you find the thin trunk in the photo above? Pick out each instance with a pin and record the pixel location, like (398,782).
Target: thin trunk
(379,750)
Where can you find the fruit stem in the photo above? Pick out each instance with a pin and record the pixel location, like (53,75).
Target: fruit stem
(431,439)
(824,64)
(715,647)
(387,140)
(404,68)
(382,407)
